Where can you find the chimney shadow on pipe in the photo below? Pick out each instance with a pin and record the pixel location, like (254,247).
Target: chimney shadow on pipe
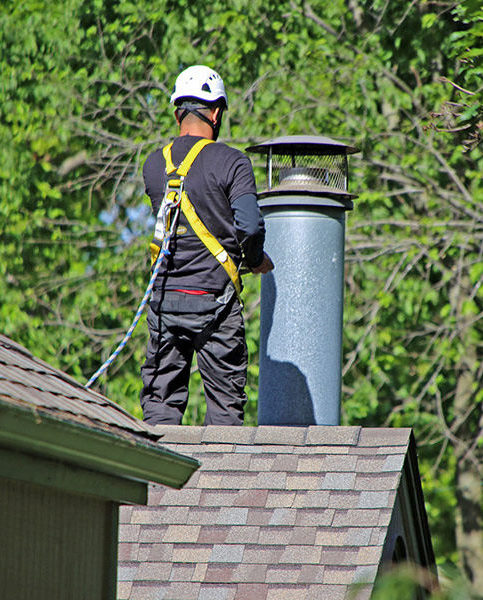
(284,394)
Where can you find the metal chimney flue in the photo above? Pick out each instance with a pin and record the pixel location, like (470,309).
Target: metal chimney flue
(304,206)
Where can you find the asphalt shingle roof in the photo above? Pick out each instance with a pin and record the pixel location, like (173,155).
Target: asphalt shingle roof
(28,381)
(292,513)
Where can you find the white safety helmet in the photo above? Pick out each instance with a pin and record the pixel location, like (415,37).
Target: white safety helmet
(199,82)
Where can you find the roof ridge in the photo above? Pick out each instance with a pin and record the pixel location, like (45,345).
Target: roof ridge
(285,435)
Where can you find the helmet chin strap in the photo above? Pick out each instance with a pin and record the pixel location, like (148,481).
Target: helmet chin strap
(184,110)
(216,126)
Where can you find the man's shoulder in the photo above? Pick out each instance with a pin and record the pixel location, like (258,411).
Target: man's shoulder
(221,153)
(154,157)
(218,153)
(224,148)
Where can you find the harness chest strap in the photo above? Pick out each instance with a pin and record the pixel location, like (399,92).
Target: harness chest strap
(206,237)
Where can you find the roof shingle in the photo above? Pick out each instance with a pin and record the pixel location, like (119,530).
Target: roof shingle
(276,512)
(26,380)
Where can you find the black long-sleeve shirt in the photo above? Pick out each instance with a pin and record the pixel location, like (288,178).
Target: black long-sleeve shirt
(221,187)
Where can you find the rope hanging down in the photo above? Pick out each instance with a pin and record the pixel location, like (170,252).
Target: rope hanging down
(166,234)
(140,310)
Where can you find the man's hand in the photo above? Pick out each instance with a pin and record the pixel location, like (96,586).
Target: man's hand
(265,266)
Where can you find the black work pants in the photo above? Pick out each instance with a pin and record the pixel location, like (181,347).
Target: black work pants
(175,320)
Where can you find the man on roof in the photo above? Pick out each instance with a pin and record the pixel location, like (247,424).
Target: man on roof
(195,306)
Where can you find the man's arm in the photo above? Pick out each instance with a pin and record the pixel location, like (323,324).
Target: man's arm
(250,228)
(153,183)
(248,218)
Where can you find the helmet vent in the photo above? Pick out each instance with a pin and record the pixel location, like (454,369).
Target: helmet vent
(206,88)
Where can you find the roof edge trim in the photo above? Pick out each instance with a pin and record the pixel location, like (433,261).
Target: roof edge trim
(35,432)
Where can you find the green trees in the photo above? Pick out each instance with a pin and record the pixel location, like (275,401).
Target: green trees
(84,90)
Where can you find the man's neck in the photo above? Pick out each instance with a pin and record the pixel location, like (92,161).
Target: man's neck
(197,130)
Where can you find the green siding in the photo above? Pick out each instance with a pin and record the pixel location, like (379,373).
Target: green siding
(55,545)
(70,478)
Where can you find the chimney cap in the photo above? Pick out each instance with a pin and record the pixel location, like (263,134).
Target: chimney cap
(303,145)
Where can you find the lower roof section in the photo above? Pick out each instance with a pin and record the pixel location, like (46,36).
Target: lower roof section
(49,418)
(38,435)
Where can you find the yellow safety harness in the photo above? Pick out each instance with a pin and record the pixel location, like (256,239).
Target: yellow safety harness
(175,195)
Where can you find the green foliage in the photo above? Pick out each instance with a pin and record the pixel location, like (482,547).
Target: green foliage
(406,582)
(83,100)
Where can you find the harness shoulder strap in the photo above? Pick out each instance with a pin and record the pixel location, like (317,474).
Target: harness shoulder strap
(170,168)
(210,241)
(184,167)
(189,159)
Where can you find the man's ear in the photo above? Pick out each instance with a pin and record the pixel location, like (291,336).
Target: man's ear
(176,116)
(215,113)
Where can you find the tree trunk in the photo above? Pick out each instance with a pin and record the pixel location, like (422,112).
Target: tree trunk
(468,427)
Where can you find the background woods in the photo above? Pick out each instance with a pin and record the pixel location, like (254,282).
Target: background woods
(84,98)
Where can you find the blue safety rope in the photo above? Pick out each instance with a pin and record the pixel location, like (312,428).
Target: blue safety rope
(164,252)
(167,214)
